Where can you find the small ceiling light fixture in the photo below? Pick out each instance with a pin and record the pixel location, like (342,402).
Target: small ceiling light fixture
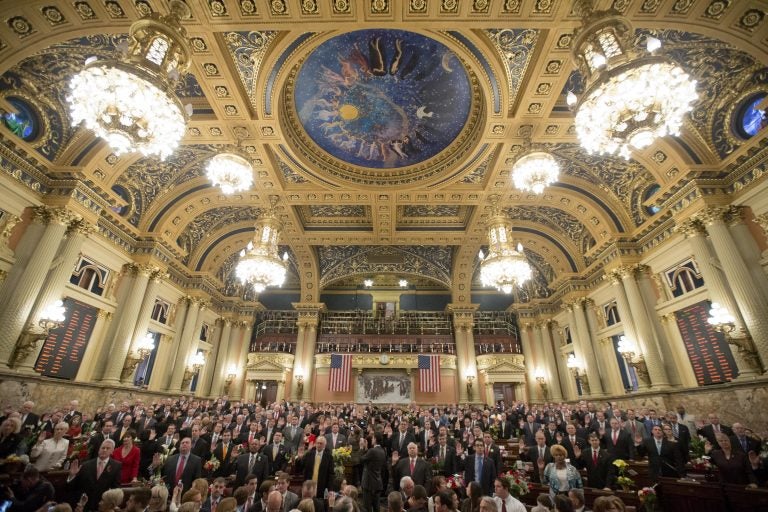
(535,169)
(130,102)
(231,170)
(631,97)
(505,266)
(260,264)
(403,283)
(368,282)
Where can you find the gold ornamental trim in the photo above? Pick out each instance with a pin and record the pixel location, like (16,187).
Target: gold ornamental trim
(396,361)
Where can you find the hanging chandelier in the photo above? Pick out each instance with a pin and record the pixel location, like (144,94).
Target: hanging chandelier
(535,170)
(505,266)
(260,265)
(631,97)
(131,102)
(231,172)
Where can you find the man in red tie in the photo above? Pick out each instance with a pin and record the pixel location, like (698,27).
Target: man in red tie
(599,464)
(96,475)
(617,441)
(183,466)
(413,466)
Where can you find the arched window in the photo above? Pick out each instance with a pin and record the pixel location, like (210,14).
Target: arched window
(123,194)
(611,314)
(650,192)
(25,122)
(748,119)
(89,276)
(160,311)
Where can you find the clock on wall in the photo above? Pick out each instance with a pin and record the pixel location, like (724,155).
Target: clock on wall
(384,359)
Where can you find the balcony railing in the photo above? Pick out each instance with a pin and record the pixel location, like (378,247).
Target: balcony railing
(385,343)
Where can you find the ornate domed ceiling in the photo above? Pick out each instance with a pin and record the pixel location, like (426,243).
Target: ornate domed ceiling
(384,128)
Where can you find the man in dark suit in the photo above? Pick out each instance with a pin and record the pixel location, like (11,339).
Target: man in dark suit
(28,418)
(599,425)
(96,475)
(601,473)
(741,441)
(122,428)
(506,430)
(713,428)
(373,461)
(617,442)
(571,440)
(400,439)
(293,435)
(491,450)
(417,468)
(251,463)
(276,453)
(479,468)
(681,433)
(540,450)
(199,446)
(223,453)
(335,438)
(94,444)
(445,454)
(530,428)
(664,458)
(184,466)
(317,465)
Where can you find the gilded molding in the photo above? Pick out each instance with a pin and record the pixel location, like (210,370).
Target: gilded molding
(691,227)
(373,361)
(80,227)
(9,222)
(501,363)
(762,220)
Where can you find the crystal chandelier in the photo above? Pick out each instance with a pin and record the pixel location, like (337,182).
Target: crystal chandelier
(131,102)
(259,265)
(231,172)
(535,170)
(631,97)
(505,266)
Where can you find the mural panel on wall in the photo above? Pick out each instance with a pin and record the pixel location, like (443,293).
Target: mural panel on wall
(383,388)
(382,98)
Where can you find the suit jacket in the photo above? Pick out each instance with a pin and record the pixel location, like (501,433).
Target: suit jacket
(399,442)
(86,482)
(290,501)
(421,475)
(531,454)
(551,437)
(341,440)
(325,473)
(293,440)
(450,462)
(639,429)
(373,461)
(201,448)
(225,466)
(595,426)
(668,463)
(566,443)
(260,468)
(30,421)
(708,431)
(487,476)
(506,430)
(752,444)
(277,461)
(684,439)
(192,469)
(624,447)
(529,434)
(494,452)
(600,475)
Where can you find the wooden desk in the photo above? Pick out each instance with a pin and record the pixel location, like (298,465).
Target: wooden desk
(739,498)
(690,496)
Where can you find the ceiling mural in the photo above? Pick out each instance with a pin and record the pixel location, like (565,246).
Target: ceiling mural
(382,98)
(384,147)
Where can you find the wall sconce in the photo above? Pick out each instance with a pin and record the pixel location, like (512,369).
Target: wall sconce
(52,317)
(575,365)
(196,363)
(628,351)
(470,380)
(368,283)
(299,385)
(146,346)
(231,376)
(541,379)
(403,283)
(723,321)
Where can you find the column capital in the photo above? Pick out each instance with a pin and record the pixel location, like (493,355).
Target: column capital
(691,227)
(614,276)
(80,227)
(714,214)
(762,221)
(47,215)
(9,222)
(146,270)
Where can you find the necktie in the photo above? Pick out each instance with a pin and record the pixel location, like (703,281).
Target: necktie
(214,502)
(442,453)
(717,428)
(634,428)
(615,437)
(487,450)
(413,466)
(274,451)
(223,452)
(541,452)
(478,468)
(248,504)
(675,431)
(316,469)
(594,457)
(573,441)
(251,460)
(658,447)
(744,444)
(99,469)
(180,467)
(503,505)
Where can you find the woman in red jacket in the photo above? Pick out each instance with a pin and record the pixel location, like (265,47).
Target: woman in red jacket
(130,455)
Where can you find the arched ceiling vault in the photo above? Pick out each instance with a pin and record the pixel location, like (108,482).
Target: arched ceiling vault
(343,194)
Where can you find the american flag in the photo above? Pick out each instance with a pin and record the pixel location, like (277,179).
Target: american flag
(429,374)
(341,364)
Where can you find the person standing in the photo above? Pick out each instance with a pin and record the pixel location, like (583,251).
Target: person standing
(183,466)
(317,465)
(95,476)
(373,461)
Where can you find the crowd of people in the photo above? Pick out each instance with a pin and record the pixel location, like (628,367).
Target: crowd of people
(228,456)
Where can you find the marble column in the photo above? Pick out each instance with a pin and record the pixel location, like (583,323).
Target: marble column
(566,381)
(590,311)
(679,353)
(576,342)
(141,327)
(748,248)
(588,353)
(751,303)
(306,341)
(246,330)
(53,287)
(216,362)
(126,325)
(24,249)
(179,318)
(223,360)
(466,360)
(719,291)
(553,379)
(529,358)
(235,350)
(645,341)
(186,339)
(614,384)
(19,304)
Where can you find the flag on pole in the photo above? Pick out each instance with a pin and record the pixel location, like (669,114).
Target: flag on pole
(341,365)
(429,373)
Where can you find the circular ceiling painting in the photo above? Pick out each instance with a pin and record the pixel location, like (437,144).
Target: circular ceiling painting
(382,98)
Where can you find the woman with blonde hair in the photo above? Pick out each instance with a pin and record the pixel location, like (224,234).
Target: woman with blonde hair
(608,504)
(227,505)
(306,505)
(50,453)
(111,500)
(559,475)
(158,500)
(201,484)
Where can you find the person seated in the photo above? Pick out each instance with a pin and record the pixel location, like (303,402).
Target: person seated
(10,439)
(32,492)
(543,503)
(50,453)
(608,504)
(110,500)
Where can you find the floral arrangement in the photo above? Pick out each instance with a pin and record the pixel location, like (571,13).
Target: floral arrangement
(697,447)
(455,481)
(702,464)
(437,464)
(518,483)
(495,431)
(623,480)
(162,456)
(647,496)
(78,448)
(212,464)
(341,456)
